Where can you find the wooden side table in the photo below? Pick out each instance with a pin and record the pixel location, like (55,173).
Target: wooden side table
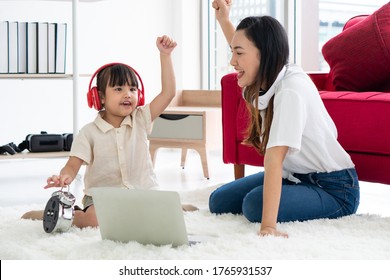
(186,127)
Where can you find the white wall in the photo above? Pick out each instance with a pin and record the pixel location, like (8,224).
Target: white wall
(111,30)
(307,34)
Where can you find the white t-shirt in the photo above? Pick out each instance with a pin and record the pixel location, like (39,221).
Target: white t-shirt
(302,123)
(117,157)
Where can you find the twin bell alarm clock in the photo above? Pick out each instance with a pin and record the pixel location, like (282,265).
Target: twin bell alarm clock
(59,212)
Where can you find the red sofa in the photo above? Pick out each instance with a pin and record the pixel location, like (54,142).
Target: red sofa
(356,94)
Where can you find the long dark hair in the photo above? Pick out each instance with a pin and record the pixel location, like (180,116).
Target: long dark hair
(270,37)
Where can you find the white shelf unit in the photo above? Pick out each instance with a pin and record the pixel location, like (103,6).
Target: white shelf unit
(74,77)
(36,76)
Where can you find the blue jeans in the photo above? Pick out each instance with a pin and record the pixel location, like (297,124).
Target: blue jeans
(318,195)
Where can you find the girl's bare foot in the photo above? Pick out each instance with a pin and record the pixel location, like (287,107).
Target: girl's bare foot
(33,215)
(189,208)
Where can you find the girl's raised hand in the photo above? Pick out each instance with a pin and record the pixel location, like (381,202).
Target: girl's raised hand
(165,44)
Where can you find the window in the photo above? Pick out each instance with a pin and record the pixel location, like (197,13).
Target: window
(219,51)
(309,24)
(334,14)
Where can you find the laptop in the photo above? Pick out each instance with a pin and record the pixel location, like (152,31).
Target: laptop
(145,216)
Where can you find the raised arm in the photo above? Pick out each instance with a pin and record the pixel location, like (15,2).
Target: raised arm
(168,82)
(222,11)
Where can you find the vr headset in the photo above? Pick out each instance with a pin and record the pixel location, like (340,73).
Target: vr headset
(45,142)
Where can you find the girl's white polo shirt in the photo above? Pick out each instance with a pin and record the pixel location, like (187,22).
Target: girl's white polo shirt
(117,157)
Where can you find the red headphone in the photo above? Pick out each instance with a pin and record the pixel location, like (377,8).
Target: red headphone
(93,94)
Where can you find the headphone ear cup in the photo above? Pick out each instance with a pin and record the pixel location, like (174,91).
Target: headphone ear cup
(141,98)
(93,99)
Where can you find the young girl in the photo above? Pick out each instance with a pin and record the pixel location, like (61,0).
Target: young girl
(307,174)
(115,146)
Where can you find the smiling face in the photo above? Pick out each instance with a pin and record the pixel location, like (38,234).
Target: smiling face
(118,92)
(119,102)
(245,58)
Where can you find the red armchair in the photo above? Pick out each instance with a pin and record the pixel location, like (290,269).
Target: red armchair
(235,117)
(359,106)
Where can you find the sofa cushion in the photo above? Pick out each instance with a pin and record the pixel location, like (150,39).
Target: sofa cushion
(360,118)
(359,57)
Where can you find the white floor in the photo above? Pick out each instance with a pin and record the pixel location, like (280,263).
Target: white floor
(22,180)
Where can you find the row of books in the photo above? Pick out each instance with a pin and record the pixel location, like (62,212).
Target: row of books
(32,47)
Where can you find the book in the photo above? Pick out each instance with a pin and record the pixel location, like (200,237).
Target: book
(42,40)
(61,47)
(32,48)
(22,47)
(51,47)
(13,47)
(3,46)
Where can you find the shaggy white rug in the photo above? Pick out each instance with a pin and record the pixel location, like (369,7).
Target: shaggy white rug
(357,237)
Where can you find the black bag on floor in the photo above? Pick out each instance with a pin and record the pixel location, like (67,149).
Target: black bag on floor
(43,142)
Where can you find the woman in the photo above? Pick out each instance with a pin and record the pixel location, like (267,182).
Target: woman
(307,174)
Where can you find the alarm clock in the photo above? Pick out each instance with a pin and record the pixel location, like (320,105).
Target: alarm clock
(59,212)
